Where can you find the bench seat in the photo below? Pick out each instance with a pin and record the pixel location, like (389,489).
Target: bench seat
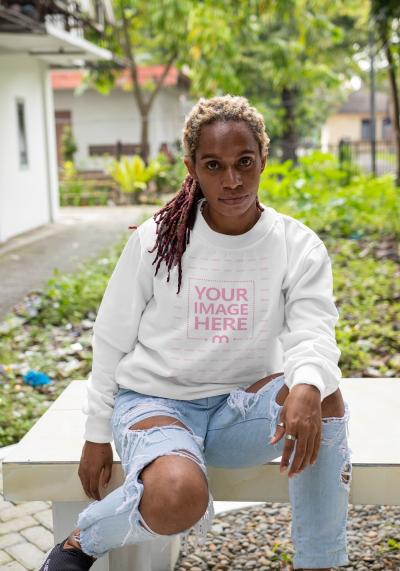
(44,466)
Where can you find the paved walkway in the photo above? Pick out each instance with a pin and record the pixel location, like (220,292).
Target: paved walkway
(26,533)
(27,261)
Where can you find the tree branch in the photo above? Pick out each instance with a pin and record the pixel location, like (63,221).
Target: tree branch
(164,74)
(128,49)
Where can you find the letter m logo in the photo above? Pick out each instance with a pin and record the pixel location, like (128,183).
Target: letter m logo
(220,339)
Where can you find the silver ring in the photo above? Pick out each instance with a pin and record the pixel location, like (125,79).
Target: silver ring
(282,424)
(290,437)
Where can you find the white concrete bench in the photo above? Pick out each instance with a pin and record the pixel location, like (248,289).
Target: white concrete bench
(44,466)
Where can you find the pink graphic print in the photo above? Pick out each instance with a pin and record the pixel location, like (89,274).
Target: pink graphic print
(222,311)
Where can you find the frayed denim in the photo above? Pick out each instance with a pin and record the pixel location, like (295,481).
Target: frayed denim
(215,426)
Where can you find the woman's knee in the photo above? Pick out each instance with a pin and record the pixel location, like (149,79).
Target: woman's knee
(174,478)
(175,484)
(175,493)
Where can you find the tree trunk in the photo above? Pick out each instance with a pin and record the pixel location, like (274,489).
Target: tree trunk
(144,137)
(394,92)
(144,105)
(289,137)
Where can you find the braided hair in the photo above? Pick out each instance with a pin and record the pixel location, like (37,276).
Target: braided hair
(176,219)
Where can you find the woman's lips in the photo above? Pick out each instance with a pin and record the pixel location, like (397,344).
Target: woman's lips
(237,200)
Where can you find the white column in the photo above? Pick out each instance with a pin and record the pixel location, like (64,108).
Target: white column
(51,145)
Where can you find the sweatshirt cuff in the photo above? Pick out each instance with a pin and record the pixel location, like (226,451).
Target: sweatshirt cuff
(310,375)
(98,430)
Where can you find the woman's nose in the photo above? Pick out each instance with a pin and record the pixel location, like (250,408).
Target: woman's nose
(231,178)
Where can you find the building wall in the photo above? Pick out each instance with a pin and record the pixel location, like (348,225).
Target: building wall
(103,120)
(348,125)
(28,194)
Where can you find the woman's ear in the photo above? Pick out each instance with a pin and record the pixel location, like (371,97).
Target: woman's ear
(190,167)
(263,162)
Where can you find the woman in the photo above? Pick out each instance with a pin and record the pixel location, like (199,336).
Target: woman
(213,356)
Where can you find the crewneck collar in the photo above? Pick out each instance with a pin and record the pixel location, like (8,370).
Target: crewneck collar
(260,229)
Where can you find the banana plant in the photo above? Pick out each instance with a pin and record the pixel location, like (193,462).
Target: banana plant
(131,175)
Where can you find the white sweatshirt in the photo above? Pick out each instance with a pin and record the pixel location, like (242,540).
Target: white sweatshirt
(250,305)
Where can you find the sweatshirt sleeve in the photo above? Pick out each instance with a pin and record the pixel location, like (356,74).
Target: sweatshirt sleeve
(101,388)
(310,352)
(115,334)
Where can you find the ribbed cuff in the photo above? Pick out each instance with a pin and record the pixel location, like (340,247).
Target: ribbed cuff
(310,375)
(98,430)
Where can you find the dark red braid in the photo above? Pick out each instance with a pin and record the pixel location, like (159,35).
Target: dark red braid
(174,223)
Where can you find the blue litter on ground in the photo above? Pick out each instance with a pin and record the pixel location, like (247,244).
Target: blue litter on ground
(36,378)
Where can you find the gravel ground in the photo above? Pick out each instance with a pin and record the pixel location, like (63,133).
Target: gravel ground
(259,538)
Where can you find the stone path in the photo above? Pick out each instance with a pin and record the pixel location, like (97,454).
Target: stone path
(26,533)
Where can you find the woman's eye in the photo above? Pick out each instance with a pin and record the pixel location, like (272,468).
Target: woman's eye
(211,163)
(248,159)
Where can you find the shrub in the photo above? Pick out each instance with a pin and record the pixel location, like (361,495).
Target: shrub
(332,201)
(68,144)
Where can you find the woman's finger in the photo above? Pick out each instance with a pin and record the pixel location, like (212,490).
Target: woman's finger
(279,432)
(310,448)
(94,485)
(317,443)
(84,478)
(301,447)
(106,475)
(286,454)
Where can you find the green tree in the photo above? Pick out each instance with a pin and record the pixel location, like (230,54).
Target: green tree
(197,37)
(386,18)
(296,66)
(290,57)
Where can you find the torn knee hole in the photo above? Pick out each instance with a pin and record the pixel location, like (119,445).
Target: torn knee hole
(152,422)
(191,456)
(345,474)
(186,454)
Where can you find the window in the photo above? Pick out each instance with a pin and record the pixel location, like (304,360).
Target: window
(366,129)
(386,129)
(22,141)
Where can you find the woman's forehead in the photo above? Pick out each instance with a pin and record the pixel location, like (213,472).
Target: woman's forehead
(223,138)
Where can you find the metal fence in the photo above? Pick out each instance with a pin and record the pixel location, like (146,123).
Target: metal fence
(356,152)
(359,153)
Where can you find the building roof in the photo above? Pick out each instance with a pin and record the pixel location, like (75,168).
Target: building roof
(358,102)
(54,46)
(72,78)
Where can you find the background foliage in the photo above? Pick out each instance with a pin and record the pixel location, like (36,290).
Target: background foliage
(356,216)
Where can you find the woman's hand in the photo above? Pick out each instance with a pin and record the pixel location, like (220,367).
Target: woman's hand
(301,415)
(95,467)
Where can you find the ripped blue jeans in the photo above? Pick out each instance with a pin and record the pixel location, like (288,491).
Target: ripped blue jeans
(215,428)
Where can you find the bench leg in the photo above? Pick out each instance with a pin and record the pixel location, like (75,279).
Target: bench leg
(162,555)
(165,553)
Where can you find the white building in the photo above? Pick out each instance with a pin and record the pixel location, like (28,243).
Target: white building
(32,42)
(352,120)
(99,122)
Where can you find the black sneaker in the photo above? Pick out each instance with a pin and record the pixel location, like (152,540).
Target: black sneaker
(60,558)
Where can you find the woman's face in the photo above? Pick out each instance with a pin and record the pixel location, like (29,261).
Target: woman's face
(227,166)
